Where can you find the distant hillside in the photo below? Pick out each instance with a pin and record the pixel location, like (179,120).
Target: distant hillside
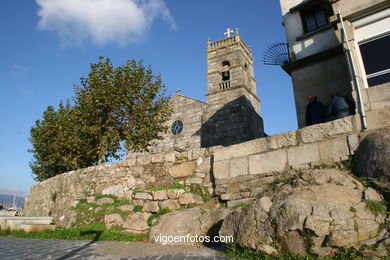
(5,198)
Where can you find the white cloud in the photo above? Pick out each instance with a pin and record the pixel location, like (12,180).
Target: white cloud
(19,69)
(101,21)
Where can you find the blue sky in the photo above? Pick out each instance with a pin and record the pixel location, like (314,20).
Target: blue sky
(47,45)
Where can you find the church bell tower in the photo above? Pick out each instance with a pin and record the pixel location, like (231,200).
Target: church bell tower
(232,112)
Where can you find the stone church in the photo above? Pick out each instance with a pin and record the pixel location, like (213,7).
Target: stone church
(230,114)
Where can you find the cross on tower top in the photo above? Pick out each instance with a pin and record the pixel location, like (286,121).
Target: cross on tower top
(229,31)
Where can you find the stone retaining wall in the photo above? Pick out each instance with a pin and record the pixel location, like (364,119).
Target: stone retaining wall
(125,179)
(233,174)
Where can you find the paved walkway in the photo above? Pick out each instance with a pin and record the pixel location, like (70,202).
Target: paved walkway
(23,248)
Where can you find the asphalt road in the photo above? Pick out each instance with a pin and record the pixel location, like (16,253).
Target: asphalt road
(22,248)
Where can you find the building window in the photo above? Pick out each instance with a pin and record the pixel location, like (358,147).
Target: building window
(376,59)
(314,19)
(177,127)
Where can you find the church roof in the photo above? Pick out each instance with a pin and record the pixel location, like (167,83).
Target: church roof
(177,95)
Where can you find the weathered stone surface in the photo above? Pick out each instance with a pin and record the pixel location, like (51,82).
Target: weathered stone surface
(341,126)
(127,208)
(267,162)
(112,220)
(182,170)
(169,204)
(143,196)
(137,222)
(311,134)
(303,154)
(243,149)
(372,158)
(239,166)
(318,204)
(221,169)
(138,202)
(176,224)
(371,194)
(267,249)
(104,201)
(160,195)
(334,149)
(236,203)
(150,206)
(174,193)
(190,198)
(283,140)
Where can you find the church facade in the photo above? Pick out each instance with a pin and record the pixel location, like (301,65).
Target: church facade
(231,113)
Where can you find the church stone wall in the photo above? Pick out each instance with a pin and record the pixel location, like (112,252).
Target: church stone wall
(189,111)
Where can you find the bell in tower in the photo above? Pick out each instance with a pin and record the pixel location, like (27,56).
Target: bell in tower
(232,108)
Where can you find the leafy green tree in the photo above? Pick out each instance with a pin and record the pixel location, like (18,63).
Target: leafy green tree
(112,106)
(58,144)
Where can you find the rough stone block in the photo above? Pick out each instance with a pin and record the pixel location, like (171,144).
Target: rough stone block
(143,160)
(138,202)
(221,169)
(268,162)
(156,158)
(143,196)
(311,134)
(378,118)
(113,220)
(127,208)
(174,193)
(236,203)
(353,143)
(243,149)
(204,165)
(170,157)
(150,206)
(137,222)
(341,126)
(160,195)
(190,198)
(239,166)
(283,140)
(303,154)
(105,201)
(334,149)
(169,204)
(182,170)
(117,190)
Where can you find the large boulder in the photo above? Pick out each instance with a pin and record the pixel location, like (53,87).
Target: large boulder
(317,213)
(187,224)
(372,158)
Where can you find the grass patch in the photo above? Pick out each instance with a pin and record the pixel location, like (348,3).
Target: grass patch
(348,165)
(169,187)
(89,212)
(191,205)
(242,205)
(93,231)
(283,180)
(138,208)
(151,220)
(323,166)
(136,190)
(376,207)
(236,251)
(54,196)
(206,195)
